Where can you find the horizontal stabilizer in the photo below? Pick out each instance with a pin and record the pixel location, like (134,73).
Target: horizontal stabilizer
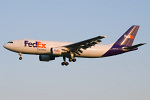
(134,46)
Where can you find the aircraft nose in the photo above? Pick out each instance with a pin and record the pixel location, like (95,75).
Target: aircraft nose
(5,46)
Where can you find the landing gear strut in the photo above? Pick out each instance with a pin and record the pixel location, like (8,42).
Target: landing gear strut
(64,63)
(20,58)
(72,57)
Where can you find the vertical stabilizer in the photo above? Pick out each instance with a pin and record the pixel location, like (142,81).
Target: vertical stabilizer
(128,37)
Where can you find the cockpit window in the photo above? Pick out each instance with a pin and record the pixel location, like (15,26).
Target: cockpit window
(10,42)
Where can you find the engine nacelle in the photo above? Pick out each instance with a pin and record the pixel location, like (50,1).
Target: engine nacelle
(56,51)
(46,57)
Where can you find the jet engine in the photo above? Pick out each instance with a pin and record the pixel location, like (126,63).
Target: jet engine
(56,51)
(46,57)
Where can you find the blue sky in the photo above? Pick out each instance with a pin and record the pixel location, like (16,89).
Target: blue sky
(122,77)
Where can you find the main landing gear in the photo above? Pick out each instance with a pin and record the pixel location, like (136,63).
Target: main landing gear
(66,63)
(20,58)
(70,60)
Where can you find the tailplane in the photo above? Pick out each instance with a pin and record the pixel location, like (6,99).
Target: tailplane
(128,37)
(133,47)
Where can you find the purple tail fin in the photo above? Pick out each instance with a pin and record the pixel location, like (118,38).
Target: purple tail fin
(128,37)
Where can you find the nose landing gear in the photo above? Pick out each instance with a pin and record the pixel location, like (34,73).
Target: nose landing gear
(20,58)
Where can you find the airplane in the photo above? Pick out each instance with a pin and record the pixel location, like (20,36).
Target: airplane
(90,48)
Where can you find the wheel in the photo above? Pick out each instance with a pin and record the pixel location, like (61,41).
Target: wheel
(20,58)
(70,60)
(66,63)
(63,63)
(74,60)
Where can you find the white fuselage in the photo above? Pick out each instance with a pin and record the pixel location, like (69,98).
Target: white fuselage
(39,47)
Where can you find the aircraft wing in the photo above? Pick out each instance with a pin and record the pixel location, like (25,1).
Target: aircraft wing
(76,47)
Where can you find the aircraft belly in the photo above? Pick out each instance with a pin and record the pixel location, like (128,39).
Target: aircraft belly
(95,52)
(91,53)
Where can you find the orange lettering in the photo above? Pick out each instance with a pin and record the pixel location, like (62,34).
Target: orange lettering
(39,44)
(132,37)
(43,45)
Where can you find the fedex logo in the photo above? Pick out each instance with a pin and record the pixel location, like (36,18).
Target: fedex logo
(56,50)
(129,36)
(37,44)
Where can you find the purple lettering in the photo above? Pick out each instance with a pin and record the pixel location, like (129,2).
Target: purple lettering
(35,44)
(29,44)
(25,42)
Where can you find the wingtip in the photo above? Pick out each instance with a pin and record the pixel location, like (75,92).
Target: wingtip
(103,36)
(143,43)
